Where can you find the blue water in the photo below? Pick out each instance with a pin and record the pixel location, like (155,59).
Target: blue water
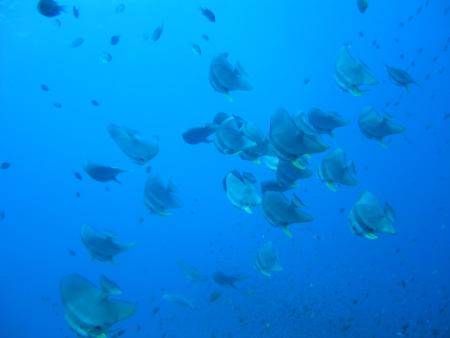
(333,283)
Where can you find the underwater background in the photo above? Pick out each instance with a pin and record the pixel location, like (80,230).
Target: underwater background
(333,283)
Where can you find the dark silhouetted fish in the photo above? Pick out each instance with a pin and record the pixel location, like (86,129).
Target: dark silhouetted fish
(207,13)
(362,5)
(227,280)
(102,173)
(77,175)
(5,165)
(75,12)
(49,8)
(198,135)
(114,40)
(156,35)
(45,88)
(225,78)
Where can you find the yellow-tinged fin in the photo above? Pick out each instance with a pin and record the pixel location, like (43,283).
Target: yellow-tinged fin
(296,163)
(371,236)
(247,209)
(331,186)
(287,232)
(229,97)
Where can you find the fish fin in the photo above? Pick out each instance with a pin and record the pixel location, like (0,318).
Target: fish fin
(307,156)
(229,97)
(331,186)
(116,180)
(382,143)
(296,201)
(265,273)
(296,163)
(286,231)
(370,236)
(247,209)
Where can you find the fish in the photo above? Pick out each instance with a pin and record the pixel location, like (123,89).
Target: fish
(102,173)
(5,165)
(95,103)
(77,175)
(281,212)
(75,12)
(89,311)
(225,78)
(45,88)
(230,137)
(223,279)
(325,122)
(208,14)
(288,173)
(352,75)
(198,135)
(114,40)
(335,169)
(267,261)
(106,57)
(241,190)
(292,137)
(137,148)
(77,42)
(157,32)
(196,49)
(2,215)
(49,8)
(102,245)
(401,77)
(160,198)
(369,217)
(362,5)
(377,124)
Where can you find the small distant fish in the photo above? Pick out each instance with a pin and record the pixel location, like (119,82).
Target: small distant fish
(207,13)
(148,170)
(215,295)
(156,35)
(306,81)
(362,5)
(72,253)
(106,57)
(420,51)
(49,8)
(58,23)
(155,310)
(77,194)
(2,215)
(205,37)
(95,103)
(77,42)
(120,8)
(45,88)
(57,105)
(114,40)
(447,117)
(196,49)
(77,175)
(75,12)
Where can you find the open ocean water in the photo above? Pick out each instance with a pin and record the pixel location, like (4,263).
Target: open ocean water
(142,189)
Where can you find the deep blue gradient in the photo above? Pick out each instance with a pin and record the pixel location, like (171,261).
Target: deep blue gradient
(334,284)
